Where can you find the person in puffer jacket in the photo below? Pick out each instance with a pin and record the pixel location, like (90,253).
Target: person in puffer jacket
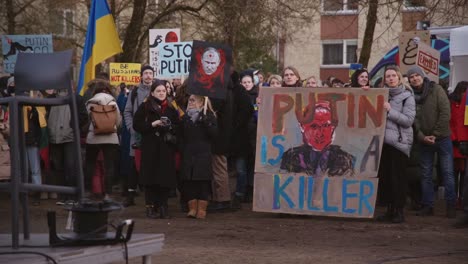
(401,111)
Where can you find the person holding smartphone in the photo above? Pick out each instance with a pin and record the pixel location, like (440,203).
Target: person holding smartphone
(155,119)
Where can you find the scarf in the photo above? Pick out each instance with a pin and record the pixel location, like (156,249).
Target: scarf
(193,114)
(157,105)
(420,95)
(397,90)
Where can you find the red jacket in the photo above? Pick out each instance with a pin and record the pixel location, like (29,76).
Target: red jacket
(457,127)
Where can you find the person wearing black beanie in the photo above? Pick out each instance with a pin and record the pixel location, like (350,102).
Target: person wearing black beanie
(136,97)
(432,128)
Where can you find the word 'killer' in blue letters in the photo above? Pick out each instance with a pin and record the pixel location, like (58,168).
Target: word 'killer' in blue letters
(305,192)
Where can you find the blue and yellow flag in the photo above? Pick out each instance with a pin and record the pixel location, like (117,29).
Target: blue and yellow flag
(102,42)
(465,121)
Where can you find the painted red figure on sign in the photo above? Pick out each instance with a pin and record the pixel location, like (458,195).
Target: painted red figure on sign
(318,156)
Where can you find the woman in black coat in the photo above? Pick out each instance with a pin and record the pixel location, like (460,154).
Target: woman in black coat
(156,121)
(198,132)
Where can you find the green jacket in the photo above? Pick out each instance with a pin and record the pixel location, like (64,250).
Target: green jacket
(433,115)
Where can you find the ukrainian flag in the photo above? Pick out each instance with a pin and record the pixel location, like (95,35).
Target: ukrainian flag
(102,42)
(466,109)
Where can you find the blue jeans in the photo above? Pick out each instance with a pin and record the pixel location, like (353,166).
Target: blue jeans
(443,147)
(34,164)
(245,171)
(465,189)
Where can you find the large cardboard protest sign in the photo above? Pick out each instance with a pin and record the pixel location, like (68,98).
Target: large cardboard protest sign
(156,38)
(318,151)
(14,44)
(174,59)
(128,73)
(408,47)
(428,59)
(210,68)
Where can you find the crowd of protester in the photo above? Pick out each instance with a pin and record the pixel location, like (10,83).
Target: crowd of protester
(169,143)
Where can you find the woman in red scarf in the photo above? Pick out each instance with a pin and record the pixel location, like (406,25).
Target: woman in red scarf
(156,121)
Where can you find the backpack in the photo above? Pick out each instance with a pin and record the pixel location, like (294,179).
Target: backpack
(103,118)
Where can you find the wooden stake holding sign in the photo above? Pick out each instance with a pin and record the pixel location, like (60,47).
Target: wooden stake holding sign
(205,106)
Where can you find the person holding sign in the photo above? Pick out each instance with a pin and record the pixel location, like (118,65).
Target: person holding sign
(156,120)
(401,111)
(360,78)
(198,132)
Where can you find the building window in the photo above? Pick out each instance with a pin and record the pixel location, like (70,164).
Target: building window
(414,3)
(62,22)
(339,52)
(340,5)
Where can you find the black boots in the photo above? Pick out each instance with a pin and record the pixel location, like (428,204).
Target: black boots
(129,200)
(451,211)
(462,222)
(425,211)
(151,212)
(164,212)
(156,212)
(398,216)
(393,215)
(387,217)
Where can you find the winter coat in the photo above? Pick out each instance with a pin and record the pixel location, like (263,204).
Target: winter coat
(124,137)
(32,129)
(400,118)
(433,114)
(113,138)
(223,109)
(242,114)
(157,156)
(59,121)
(252,126)
(5,161)
(457,126)
(142,91)
(196,147)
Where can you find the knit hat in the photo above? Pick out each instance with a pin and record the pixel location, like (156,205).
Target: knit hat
(248,72)
(415,69)
(146,67)
(11,81)
(251,72)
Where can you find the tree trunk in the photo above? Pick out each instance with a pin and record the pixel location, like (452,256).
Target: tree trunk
(369,33)
(132,32)
(10,17)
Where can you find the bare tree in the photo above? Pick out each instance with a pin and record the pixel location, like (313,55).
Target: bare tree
(145,17)
(14,9)
(369,33)
(253,27)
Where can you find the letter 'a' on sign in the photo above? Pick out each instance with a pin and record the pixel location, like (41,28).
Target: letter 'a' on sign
(318,151)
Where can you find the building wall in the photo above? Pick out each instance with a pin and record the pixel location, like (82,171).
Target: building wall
(303,51)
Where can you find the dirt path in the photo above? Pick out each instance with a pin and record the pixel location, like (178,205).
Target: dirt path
(248,237)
